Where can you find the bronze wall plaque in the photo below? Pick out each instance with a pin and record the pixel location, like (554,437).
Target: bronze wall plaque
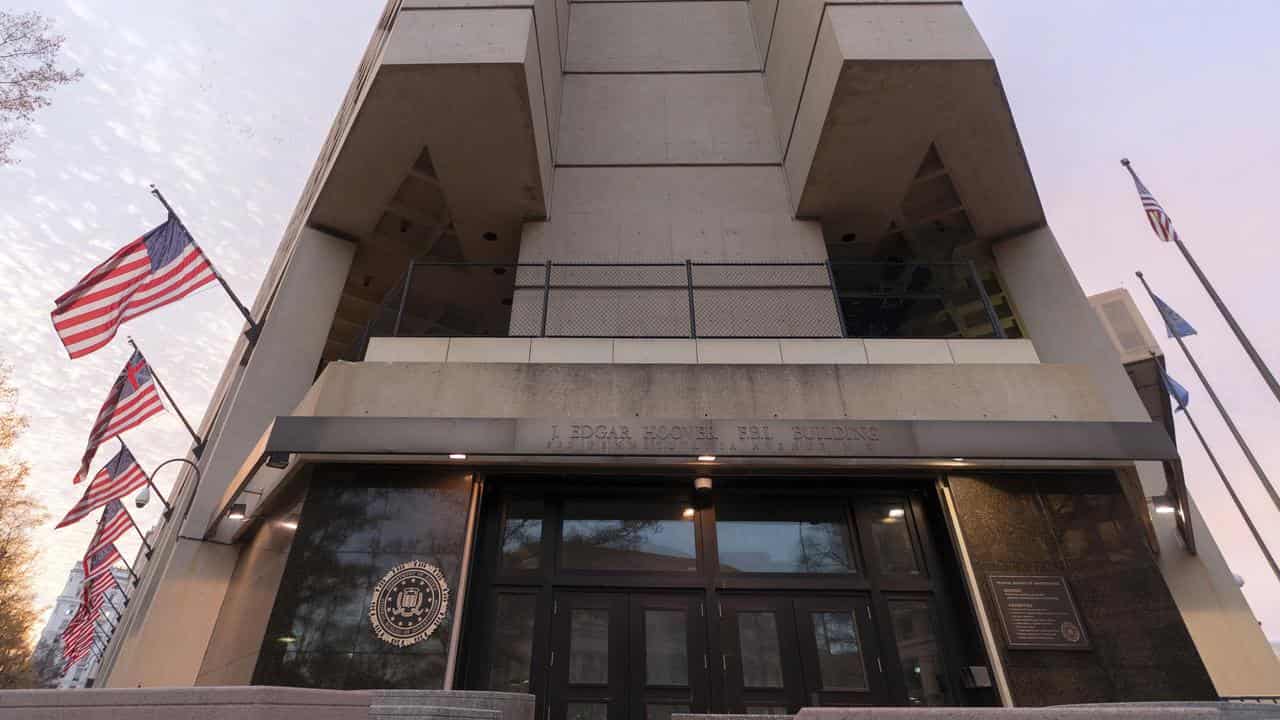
(1038,613)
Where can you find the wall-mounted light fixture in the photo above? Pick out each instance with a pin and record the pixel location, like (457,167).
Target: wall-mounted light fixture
(236,512)
(278,460)
(1164,505)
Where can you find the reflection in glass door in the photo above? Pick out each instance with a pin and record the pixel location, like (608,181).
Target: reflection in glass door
(784,653)
(616,656)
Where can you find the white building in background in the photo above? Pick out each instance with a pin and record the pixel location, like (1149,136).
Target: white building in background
(64,608)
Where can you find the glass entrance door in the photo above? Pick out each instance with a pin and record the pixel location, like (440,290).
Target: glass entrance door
(627,656)
(781,653)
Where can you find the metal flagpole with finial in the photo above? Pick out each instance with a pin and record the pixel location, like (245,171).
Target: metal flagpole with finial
(1163,225)
(255,328)
(1235,432)
(132,575)
(198,448)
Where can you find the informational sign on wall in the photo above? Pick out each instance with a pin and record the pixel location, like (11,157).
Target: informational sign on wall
(1038,613)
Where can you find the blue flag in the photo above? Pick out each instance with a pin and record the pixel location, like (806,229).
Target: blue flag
(1173,322)
(1176,391)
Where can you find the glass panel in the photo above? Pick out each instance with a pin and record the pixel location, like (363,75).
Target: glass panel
(801,539)
(627,535)
(1094,525)
(761,656)
(357,523)
(663,712)
(892,539)
(839,653)
(513,644)
(587,711)
(917,639)
(522,535)
(666,649)
(767,710)
(589,647)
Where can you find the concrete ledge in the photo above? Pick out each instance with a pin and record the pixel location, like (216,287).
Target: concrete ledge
(1136,711)
(604,351)
(431,712)
(207,703)
(499,705)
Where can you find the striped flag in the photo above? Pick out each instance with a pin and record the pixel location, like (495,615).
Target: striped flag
(115,521)
(1160,221)
(119,477)
(98,564)
(132,399)
(78,636)
(159,268)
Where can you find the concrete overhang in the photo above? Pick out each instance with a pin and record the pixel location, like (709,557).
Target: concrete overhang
(448,152)
(504,415)
(884,83)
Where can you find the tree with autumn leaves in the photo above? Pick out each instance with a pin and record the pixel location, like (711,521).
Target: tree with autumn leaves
(29,72)
(20,513)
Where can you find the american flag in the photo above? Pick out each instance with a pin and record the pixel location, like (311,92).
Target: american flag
(1160,221)
(132,399)
(159,268)
(119,477)
(99,564)
(78,636)
(115,521)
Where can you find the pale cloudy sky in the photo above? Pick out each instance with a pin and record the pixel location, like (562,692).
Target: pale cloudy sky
(224,105)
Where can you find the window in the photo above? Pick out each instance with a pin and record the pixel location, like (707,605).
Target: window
(522,535)
(917,639)
(784,538)
(356,524)
(631,535)
(513,644)
(890,534)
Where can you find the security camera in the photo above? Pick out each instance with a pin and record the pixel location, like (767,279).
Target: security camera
(143,498)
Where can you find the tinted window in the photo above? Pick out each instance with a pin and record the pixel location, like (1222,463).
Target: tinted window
(784,539)
(627,535)
(357,523)
(522,535)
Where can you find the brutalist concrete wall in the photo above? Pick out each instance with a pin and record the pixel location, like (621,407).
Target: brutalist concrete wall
(1081,528)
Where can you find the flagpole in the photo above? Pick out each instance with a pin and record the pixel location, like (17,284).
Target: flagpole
(1235,432)
(1232,492)
(128,567)
(167,508)
(199,446)
(137,529)
(1258,362)
(254,328)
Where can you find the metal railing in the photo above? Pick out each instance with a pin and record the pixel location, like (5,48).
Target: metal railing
(688,299)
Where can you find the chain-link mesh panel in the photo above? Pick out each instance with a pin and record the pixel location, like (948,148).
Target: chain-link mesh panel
(627,312)
(766,312)
(619,276)
(764,276)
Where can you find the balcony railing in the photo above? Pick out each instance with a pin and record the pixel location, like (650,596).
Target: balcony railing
(689,300)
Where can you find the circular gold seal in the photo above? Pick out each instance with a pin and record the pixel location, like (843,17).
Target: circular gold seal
(409,603)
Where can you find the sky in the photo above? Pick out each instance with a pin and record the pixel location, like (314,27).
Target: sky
(224,106)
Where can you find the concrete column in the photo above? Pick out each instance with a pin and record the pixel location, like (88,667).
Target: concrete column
(174,611)
(1056,314)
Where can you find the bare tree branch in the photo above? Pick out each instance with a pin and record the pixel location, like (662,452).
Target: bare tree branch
(28,73)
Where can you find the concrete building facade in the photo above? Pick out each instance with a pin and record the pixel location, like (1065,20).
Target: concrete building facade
(683,356)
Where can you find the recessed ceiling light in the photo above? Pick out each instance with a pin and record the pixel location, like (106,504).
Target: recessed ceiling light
(689,513)
(706,458)
(897,512)
(457,456)
(957,459)
(236,512)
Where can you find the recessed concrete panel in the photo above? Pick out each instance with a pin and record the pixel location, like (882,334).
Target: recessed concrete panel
(387,349)
(993,352)
(699,36)
(489,350)
(571,350)
(739,352)
(908,352)
(676,352)
(763,13)
(824,352)
(667,119)
(671,213)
